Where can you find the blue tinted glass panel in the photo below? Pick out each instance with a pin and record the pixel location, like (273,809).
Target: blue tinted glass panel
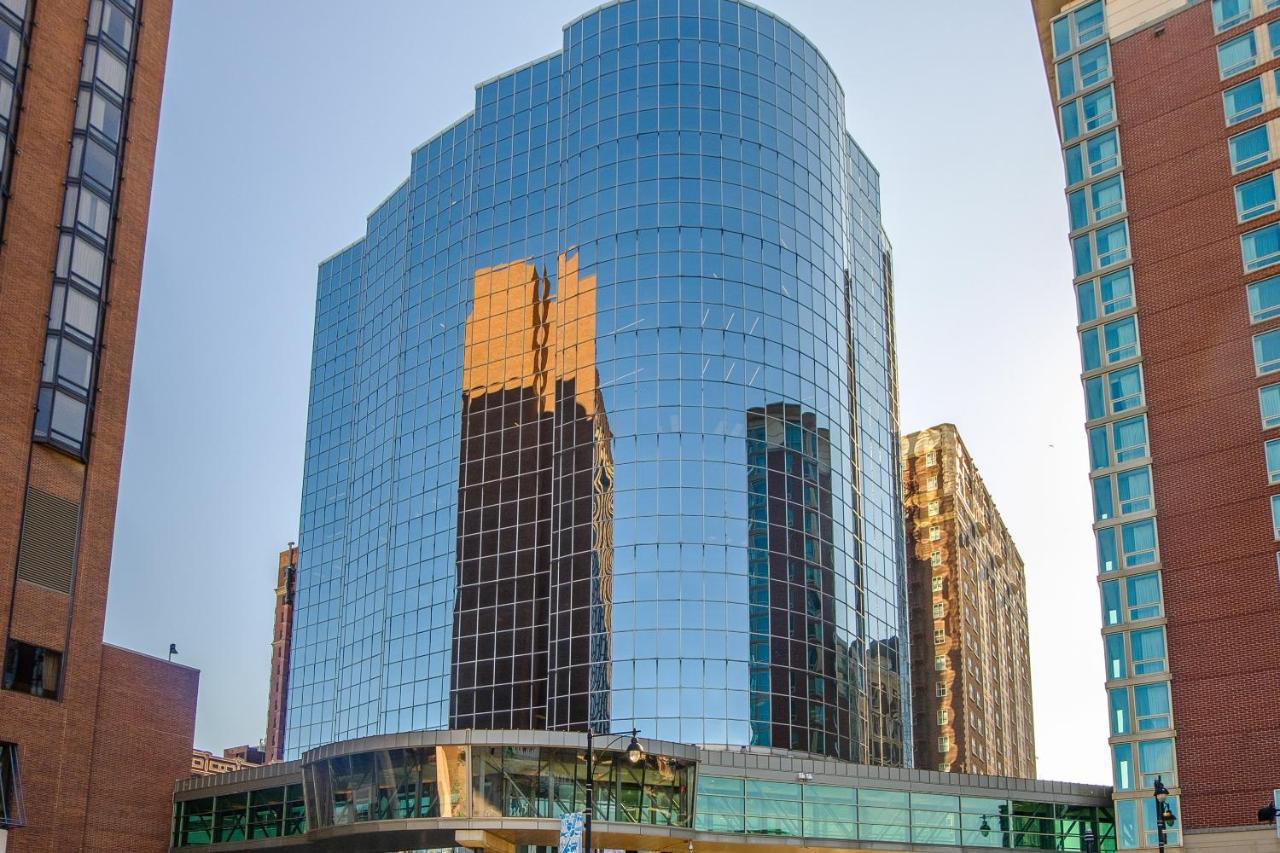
(1139,542)
(1266,352)
(1117,291)
(1078,208)
(1090,354)
(1099,109)
(1255,198)
(1102,507)
(1121,339)
(1094,65)
(1272,448)
(1261,248)
(1151,706)
(1249,149)
(1269,403)
(1086,308)
(1243,101)
(1238,54)
(1094,403)
(1069,116)
(1103,153)
(1264,299)
(1134,490)
(1098,455)
(1130,438)
(1111,603)
(1074,160)
(1143,596)
(1147,647)
(1125,389)
(1107,550)
(1122,765)
(1117,665)
(1118,699)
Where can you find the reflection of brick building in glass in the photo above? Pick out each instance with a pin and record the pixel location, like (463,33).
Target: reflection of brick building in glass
(530,635)
(795,672)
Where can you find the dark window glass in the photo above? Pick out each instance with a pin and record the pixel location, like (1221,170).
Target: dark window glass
(31,669)
(99,164)
(10,787)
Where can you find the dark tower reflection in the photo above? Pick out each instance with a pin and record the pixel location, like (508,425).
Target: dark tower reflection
(582,555)
(535,508)
(504,505)
(800,672)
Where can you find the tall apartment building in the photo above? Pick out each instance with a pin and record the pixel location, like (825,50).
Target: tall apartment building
(281,646)
(602,427)
(80,84)
(968,612)
(1169,125)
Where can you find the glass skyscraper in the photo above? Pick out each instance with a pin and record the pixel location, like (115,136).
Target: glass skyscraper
(603,421)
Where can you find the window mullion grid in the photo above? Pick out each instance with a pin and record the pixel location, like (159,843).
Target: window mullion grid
(73,233)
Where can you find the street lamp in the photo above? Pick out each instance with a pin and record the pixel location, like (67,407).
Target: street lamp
(984,828)
(1164,814)
(634,753)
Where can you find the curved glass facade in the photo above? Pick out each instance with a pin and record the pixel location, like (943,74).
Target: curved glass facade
(603,412)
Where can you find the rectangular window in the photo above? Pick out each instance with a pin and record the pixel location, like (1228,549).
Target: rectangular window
(1116,290)
(1273,460)
(1147,651)
(1117,666)
(1142,596)
(1121,339)
(1088,23)
(1094,403)
(1111,603)
(1249,149)
(1273,36)
(1125,389)
(939,663)
(1155,758)
(1264,299)
(1077,210)
(1093,65)
(933,507)
(939,610)
(939,636)
(1243,101)
(1102,153)
(944,744)
(1102,504)
(1151,706)
(934,534)
(1138,542)
(1090,353)
(940,690)
(11,811)
(1113,244)
(1082,252)
(937,584)
(935,559)
(1260,248)
(1238,54)
(1073,161)
(1129,438)
(943,717)
(1118,699)
(1229,13)
(1107,199)
(1134,490)
(1255,198)
(1269,403)
(1122,766)
(31,669)
(1275,516)
(1086,307)
(1099,109)
(1069,118)
(1266,352)
(1099,453)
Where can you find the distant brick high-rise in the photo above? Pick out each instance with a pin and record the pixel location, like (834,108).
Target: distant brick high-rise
(1169,123)
(968,614)
(92,737)
(281,645)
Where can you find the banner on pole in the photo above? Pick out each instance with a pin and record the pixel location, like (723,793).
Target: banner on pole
(571,833)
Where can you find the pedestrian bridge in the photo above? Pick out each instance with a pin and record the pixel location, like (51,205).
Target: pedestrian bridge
(501,790)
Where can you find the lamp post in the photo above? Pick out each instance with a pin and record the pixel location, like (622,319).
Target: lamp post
(634,753)
(1164,814)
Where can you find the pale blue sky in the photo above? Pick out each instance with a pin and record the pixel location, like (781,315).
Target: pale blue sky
(285,123)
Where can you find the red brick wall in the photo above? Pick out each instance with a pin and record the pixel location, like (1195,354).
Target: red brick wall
(1211,491)
(142,745)
(56,738)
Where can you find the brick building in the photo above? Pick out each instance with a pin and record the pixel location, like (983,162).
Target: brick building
(970,659)
(205,763)
(281,645)
(1168,123)
(80,84)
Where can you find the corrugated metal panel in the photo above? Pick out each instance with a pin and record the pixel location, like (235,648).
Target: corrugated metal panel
(47,547)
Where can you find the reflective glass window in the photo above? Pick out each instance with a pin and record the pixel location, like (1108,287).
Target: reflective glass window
(1269,404)
(1147,647)
(1249,149)
(1272,448)
(1129,437)
(1238,54)
(1266,352)
(1243,101)
(1261,248)
(1264,299)
(1118,699)
(1151,706)
(1138,541)
(1116,290)
(1142,596)
(1228,13)
(1255,198)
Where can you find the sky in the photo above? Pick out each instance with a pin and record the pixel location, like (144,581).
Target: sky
(285,123)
